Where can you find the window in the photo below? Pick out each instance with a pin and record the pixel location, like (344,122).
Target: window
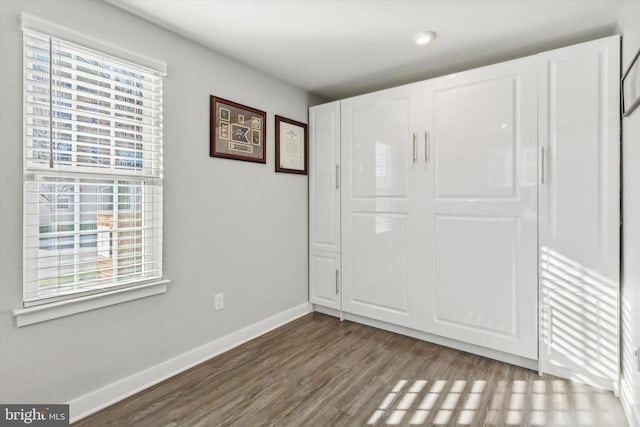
(93,171)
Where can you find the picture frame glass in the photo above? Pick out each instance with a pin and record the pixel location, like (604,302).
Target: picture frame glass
(238,132)
(291,146)
(292,150)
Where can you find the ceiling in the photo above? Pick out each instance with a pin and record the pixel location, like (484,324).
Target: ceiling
(340,48)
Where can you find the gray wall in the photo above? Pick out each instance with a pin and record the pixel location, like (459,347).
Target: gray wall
(230,226)
(629,27)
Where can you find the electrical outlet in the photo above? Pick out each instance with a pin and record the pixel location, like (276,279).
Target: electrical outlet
(219,302)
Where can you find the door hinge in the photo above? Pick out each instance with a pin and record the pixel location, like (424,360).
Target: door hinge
(337,281)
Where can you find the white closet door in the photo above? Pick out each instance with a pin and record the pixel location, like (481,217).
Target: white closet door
(324,161)
(480,207)
(579,211)
(380,237)
(324,205)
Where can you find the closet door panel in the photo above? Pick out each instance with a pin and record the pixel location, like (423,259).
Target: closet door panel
(474,291)
(324,194)
(380,150)
(380,233)
(480,207)
(324,279)
(379,275)
(477,158)
(579,211)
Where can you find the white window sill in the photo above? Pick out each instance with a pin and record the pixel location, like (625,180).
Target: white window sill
(42,313)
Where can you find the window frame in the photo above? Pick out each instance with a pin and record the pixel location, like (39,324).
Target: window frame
(90,297)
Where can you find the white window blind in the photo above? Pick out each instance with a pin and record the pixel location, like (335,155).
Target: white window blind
(93,171)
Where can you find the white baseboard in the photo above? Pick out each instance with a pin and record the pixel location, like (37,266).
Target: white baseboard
(436,339)
(86,405)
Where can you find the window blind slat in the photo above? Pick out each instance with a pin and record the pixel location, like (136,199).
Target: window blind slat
(88,263)
(84,128)
(75,106)
(39,88)
(64,75)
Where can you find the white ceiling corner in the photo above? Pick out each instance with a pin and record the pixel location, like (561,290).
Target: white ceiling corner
(339,48)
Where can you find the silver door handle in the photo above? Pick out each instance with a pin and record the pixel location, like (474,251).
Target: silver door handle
(337,176)
(427,145)
(415,149)
(542,165)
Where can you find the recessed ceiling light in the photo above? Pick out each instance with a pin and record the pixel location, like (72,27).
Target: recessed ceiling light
(423,37)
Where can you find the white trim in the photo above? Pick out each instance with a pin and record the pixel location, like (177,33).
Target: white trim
(89,403)
(54,310)
(35,23)
(436,339)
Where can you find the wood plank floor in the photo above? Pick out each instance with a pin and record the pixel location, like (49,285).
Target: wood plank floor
(318,371)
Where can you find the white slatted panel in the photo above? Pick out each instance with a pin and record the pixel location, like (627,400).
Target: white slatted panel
(93,170)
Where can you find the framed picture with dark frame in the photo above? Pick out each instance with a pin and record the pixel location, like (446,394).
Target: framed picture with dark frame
(631,87)
(237,131)
(291,146)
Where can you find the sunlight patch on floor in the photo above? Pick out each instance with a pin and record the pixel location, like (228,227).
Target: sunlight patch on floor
(517,402)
